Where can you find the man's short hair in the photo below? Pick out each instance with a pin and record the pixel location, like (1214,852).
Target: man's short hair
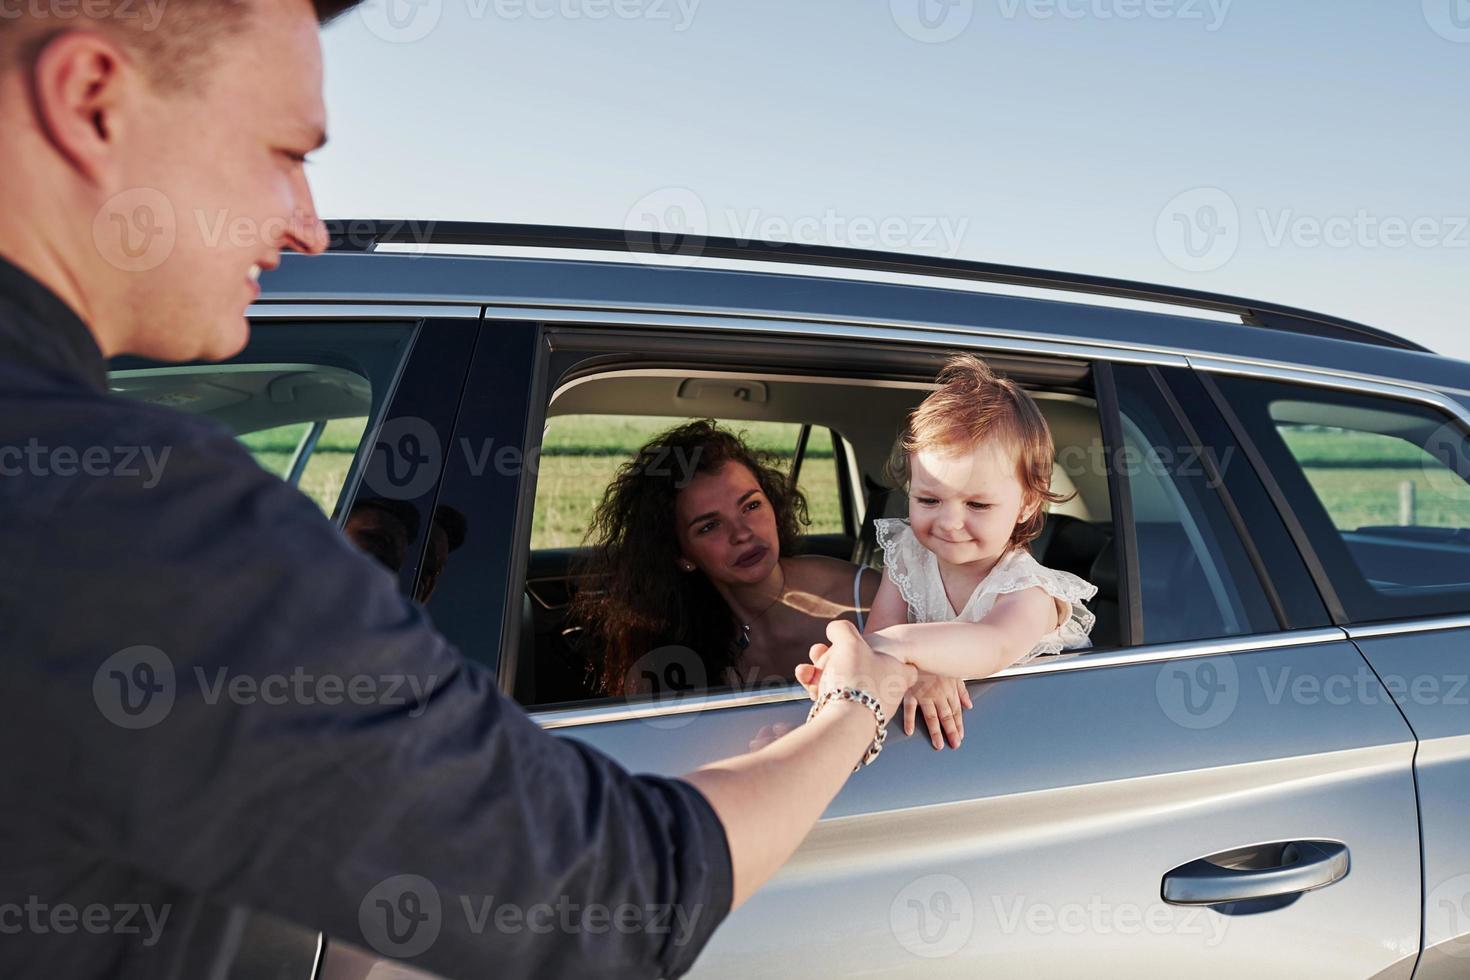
(172,40)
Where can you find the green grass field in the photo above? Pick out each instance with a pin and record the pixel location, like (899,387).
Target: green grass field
(581,454)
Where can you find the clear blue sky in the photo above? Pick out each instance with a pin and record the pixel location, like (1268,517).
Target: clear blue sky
(1310,152)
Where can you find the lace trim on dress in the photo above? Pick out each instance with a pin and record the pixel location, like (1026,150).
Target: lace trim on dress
(894,534)
(1073,632)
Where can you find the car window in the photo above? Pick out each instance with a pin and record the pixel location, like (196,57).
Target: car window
(581,453)
(1379,486)
(315,456)
(1195,575)
(299,397)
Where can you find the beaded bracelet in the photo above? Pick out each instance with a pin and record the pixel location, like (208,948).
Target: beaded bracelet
(866,700)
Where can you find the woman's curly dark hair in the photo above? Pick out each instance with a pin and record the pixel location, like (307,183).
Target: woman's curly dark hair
(641,601)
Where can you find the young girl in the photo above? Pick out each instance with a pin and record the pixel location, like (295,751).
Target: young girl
(962,598)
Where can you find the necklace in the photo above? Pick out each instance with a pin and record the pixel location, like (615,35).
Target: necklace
(743,640)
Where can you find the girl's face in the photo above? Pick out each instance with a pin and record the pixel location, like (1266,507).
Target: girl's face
(964,506)
(726,526)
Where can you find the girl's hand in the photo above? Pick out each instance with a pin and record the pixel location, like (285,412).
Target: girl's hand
(809,675)
(942,700)
(846,660)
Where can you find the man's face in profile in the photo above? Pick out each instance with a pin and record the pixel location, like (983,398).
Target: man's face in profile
(221,158)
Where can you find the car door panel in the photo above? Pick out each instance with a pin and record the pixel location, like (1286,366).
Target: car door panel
(1425,674)
(1040,846)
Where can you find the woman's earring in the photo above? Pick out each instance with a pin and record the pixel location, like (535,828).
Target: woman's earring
(687,566)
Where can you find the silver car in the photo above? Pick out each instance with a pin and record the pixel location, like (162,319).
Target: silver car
(1258,769)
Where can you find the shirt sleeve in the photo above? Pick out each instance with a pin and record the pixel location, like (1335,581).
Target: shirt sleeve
(321,752)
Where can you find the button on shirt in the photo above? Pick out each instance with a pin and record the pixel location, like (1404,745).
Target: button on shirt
(146,563)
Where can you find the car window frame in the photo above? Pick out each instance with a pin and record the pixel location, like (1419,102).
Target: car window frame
(1307,529)
(618,337)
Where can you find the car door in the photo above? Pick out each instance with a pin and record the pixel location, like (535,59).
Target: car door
(1180,805)
(1386,514)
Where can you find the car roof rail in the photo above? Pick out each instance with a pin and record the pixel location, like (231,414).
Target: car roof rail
(365,235)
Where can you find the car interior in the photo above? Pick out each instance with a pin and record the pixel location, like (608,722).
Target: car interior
(867,416)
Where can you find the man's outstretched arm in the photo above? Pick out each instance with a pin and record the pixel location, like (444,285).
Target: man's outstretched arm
(328,757)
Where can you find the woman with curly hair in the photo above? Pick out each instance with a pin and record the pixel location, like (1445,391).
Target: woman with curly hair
(694,550)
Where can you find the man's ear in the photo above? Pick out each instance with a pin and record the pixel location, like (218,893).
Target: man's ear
(79,82)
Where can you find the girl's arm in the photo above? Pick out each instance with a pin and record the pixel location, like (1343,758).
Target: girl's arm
(1008,632)
(888,609)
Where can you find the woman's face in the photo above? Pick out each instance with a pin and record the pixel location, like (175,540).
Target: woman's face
(726,526)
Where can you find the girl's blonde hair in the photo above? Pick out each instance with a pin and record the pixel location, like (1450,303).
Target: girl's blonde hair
(974,405)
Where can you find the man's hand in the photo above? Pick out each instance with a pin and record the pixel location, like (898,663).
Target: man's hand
(846,660)
(941,699)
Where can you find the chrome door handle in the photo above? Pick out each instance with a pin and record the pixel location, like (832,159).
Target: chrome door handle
(1259,871)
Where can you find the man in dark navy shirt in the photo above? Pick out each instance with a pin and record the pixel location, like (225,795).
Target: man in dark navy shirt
(146,562)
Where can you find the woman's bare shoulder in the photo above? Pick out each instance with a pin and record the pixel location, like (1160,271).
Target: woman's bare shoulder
(825,572)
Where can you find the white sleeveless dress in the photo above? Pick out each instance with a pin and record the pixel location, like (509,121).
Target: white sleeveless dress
(915,570)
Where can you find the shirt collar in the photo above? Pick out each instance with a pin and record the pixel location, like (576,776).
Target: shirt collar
(37,327)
